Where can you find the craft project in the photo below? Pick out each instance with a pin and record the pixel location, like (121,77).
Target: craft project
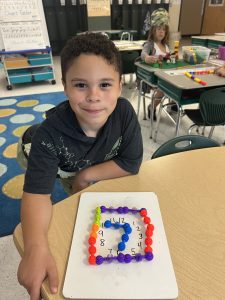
(111,222)
(121,258)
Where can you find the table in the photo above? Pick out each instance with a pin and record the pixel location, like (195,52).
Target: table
(123,45)
(183,90)
(190,187)
(148,75)
(210,41)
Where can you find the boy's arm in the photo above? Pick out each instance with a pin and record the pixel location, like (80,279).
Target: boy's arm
(37,262)
(105,170)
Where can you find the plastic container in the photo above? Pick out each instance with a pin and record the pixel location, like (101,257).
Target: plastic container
(39,59)
(16,62)
(195,54)
(42,74)
(221,52)
(19,76)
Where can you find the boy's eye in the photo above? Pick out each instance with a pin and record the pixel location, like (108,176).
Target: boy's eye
(105,84)
(80,85)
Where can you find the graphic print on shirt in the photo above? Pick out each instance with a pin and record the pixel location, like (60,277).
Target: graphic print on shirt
(114,150)
(70,161)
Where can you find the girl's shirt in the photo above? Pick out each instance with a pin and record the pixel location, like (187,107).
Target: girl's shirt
(158,51)
(150,48)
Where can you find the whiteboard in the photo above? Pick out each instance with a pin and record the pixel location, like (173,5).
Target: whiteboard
(27,18)
(136,280)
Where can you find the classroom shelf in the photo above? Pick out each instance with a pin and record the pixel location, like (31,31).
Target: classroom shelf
(28,66)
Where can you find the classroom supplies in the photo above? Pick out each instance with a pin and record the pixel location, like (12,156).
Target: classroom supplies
(176,49)
(195,54)
(196,79)
(120,257)
(120,280)
(221,52)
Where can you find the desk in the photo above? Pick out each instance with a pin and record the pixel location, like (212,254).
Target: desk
(190,187)
(148,74)
(123,45)
(183,90)
(210,41)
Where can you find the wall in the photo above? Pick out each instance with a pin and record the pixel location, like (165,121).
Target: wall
(174,12)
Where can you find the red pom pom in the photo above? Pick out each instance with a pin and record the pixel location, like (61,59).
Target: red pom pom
(92,249)
(143,212)
(148,233)
(92,260)
(148,241)
(92,240)
(147,220)
(148,249)
(150,227)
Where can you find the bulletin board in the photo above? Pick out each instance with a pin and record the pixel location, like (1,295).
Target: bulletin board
(22,25)
(153,279)
(98,8)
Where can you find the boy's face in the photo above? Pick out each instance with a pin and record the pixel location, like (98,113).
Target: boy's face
(160,32)
(93,87)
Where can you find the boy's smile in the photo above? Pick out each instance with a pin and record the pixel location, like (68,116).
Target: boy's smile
(93,87)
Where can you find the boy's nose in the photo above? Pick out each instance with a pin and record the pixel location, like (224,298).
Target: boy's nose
(93,94)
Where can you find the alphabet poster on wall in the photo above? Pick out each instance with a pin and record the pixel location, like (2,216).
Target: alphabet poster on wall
(19,10)
(98,8)
(22,35)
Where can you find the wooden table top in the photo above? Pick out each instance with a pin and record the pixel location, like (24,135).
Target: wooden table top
(191,191)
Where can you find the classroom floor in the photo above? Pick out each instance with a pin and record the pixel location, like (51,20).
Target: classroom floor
(9,258)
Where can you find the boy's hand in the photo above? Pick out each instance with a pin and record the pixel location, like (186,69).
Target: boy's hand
(80,182)
(35,266)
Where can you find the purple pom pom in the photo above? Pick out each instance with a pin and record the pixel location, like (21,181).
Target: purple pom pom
(148,255)
(127,258)
(120,210)
(109,258)
(138,257)
(125,209)
(99,260)
(120,258)
(103,209)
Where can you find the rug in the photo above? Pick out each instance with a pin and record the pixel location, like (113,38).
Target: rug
(16,115)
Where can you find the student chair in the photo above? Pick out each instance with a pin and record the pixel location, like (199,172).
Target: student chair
(125,36)
(184,143)
(128,58)
(211,111)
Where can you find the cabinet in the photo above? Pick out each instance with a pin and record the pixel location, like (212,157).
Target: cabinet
(28,66)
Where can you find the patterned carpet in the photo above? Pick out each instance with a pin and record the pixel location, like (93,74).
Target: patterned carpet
(16,115)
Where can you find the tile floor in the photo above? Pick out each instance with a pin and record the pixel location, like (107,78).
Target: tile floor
(9,258)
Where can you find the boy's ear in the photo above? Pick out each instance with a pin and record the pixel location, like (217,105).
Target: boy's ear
(64,86)
(121,85)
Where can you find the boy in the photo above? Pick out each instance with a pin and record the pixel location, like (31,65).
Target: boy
(93,136)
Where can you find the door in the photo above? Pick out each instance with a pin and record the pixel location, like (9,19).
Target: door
(214,17)
(191,14)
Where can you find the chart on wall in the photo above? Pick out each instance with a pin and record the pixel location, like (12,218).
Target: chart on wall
(22,25)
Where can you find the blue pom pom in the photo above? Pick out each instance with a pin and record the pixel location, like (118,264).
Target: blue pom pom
(125,237)
(121,246)
(107,224)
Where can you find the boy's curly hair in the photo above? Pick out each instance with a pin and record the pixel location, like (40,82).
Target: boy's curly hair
(90,43)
